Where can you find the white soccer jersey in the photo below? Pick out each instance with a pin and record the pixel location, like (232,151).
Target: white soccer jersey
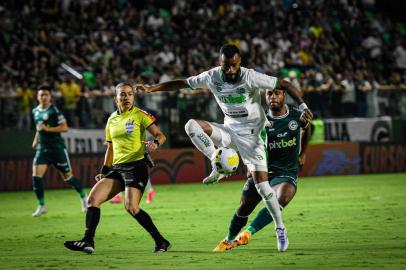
(241,101)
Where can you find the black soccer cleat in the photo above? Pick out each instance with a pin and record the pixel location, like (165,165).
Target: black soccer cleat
(80,245)
(162,247)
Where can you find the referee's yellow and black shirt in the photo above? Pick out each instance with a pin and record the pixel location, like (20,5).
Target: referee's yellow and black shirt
(126,131)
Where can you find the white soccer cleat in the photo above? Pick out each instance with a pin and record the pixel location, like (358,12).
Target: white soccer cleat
(214,177)
(41,210)
(283,241)
(84,204)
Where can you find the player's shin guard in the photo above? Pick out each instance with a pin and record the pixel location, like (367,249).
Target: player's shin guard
(38,188)
(271,202)
(262,219)
(237,223)
(75,183)
(199,138)
(92,220)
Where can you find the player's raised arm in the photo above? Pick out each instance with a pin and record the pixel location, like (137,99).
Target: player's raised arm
(294,92)
(166,86)
(306,134)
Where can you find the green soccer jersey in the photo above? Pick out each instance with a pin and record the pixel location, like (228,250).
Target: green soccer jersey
(51,117)
(126,131)
(283,142)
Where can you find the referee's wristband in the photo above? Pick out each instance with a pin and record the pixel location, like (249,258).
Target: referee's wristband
(157,142)
(303,106)
(105,170)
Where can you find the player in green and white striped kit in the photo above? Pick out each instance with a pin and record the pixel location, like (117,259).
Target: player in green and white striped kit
(50,149)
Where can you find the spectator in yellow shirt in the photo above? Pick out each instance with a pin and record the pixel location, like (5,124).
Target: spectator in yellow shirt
(71,93)
(25,99)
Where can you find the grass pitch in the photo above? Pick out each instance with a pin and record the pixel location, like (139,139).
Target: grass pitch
(346,222)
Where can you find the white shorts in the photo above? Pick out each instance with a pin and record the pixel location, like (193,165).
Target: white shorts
(248,143)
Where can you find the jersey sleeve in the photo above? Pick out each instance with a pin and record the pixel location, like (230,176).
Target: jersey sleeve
(263,81)
(60,117)
(107,132)
(147,119)
(199,81)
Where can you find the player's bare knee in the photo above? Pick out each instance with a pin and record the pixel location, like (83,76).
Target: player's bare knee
(132,209)
(92,202)
(66,176)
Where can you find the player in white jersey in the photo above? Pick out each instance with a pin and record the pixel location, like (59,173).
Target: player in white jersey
(237,91)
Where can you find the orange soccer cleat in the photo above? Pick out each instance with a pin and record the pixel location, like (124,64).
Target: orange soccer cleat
(225,245)
(243,238)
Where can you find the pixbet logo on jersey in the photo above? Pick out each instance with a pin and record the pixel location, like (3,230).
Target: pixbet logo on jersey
(282,144)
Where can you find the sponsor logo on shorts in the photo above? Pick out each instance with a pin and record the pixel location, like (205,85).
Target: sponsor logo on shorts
(192,134)
(141,184)
(61,164)
(259,157)
(204,140)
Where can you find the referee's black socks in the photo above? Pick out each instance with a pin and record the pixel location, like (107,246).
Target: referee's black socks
(92,220)
(145,221)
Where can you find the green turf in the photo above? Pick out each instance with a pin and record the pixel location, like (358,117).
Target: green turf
(352,222)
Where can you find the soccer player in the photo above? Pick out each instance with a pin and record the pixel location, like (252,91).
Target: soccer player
(50,148)
(286,147)
(125,168)
(237,91)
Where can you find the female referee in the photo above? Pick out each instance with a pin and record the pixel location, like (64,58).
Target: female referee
(124,168)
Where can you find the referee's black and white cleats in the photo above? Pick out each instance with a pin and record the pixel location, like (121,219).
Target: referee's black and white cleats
(80,245)
(162,247)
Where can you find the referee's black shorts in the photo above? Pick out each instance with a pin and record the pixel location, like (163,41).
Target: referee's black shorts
(132,174)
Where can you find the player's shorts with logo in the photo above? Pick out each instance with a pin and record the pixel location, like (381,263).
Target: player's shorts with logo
(132,174)
(248,142)
(58,156)
(249,189)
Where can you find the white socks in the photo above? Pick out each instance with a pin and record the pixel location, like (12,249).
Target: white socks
(199,138)
(271,202)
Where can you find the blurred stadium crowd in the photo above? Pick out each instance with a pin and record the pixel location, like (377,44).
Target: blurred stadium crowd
(347,56)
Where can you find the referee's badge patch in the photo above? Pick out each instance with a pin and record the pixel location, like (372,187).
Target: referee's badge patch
(129,127)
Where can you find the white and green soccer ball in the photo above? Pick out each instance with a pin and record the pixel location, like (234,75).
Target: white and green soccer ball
(225,160)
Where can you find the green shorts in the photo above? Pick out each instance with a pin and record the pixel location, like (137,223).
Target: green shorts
(250,190)
(57,156)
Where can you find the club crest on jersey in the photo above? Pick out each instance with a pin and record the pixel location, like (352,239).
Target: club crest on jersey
(293,125)
(129,127)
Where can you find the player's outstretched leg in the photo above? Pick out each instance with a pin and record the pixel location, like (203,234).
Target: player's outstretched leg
(38,188)
(204,144)
(76,184)
(270,199)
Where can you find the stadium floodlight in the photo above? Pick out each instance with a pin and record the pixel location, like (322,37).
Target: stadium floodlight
(72,71)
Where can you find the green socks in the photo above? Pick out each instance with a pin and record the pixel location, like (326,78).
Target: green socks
(75,183)
(38,188)
(262,219)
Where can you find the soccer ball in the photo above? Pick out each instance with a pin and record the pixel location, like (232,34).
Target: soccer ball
(225,160)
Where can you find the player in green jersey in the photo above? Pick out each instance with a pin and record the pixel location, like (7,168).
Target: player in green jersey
(125,168)
(50,148)
(287,138)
